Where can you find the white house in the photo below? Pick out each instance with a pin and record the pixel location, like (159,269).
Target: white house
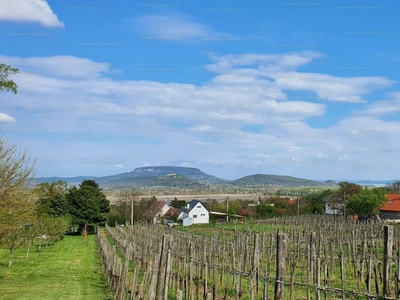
(332,208)
(195,213)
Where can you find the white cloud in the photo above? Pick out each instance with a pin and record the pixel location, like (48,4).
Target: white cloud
(330,87)
(37,11)
(262,63)
(278,72)
(59,66)
(6,118)
(88,114)
(383,106)
(176,26)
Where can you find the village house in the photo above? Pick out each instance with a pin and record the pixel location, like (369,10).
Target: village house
(331,207)
(391,209)
(195,213)
(156,212)
(173,214)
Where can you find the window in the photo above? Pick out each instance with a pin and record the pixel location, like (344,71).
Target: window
(194,216)
(203,215)
(198,206)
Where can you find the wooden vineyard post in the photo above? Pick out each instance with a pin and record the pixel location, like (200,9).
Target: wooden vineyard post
(281,249)
(311,263)
(387,259)
(255,268)
(164,267)
(398,271)
(342,275)
(318,279)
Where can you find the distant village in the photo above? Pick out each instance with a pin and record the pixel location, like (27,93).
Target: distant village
(195,212)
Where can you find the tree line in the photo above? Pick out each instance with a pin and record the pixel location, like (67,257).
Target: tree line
(349,199)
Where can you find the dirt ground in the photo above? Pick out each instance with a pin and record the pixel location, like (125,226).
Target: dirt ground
(202,197)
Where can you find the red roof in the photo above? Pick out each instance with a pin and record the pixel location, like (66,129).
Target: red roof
(155,209)
(172,212)
(393,203)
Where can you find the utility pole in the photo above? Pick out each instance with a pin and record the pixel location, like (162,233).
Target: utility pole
(227,209)
(131,212)
(298,204)
(344,204)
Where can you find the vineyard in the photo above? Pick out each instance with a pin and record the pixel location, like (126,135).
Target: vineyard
(312,257)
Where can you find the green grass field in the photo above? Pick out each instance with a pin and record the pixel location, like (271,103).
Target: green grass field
(69,269)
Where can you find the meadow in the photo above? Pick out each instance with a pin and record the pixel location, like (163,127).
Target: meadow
(69,269)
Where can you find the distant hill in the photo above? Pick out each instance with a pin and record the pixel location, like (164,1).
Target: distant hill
(330,182)
(148,176)
(185,177)
(165,181)
(190,173)
(273,180)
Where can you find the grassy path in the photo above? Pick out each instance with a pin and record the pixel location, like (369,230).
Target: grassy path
(69,269)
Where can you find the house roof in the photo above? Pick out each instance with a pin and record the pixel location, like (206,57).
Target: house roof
(192,204)
(177,212)
(155,209)
(392,204)
(173,212)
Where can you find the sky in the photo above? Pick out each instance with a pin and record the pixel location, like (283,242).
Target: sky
(306,89)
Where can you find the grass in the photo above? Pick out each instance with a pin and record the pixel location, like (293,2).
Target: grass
(69,269)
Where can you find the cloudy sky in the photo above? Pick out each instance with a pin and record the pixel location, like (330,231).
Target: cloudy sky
(306,89)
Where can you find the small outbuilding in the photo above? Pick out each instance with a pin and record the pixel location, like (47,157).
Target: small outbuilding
(391,209)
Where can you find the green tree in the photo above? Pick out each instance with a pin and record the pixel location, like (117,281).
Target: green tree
(214,205)
(234,207)
(15,227)
(340,198)
(16,200)
(59,206)
(367,202)
(178,203)
(119,213)
(314,203)
(16,169)
(51,197)
(5,83)
(265,211)
(87,204)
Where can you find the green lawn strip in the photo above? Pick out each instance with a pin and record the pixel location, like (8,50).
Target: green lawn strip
(70,269)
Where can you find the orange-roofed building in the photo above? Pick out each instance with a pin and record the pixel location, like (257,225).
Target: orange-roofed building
(391,209)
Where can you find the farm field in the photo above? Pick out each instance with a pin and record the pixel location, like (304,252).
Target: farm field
(312,257)
(113,196)
(68,269)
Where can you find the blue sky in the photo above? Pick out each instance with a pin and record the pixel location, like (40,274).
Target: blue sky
(307,89)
